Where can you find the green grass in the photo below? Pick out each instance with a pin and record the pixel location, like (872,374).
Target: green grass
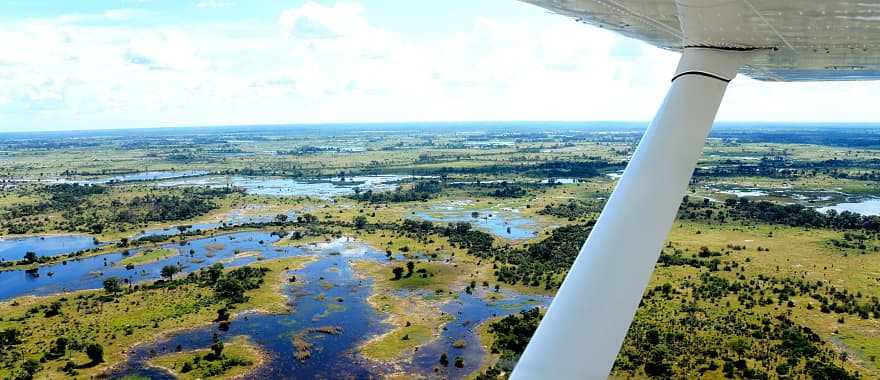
(239,350)
(149,256)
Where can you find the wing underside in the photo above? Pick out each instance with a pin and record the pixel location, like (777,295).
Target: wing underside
(805,40)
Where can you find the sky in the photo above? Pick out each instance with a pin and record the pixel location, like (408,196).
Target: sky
(100,64)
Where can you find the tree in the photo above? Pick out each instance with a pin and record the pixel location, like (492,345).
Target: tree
(307,218)
(409,268)
(360,222)
(398,272)
(217,349)
(113,285)
(169,271)
(30,257)
(281,218)
(53,310)
(212,273)
(59,348)
(95,352)
(28,369)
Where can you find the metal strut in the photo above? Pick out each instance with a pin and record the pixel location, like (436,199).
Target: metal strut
(588,319)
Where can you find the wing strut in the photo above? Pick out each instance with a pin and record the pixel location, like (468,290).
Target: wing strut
(586,323)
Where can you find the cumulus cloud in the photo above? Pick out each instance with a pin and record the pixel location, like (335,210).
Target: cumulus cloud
(314,20)
(330,63)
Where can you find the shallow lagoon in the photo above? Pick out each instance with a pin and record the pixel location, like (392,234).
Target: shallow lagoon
(15,248)
(150,176)
(784,194)
(332,356)
(502,223)
(90,272)
(869,206)
(335,356)
(274,186)
(235,219)
(469,310)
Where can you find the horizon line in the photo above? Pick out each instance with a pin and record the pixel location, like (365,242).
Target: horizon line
(339,124)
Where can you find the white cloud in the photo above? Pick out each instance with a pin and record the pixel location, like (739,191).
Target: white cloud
(321,63)
(115,15)
(313,20)
(214,4)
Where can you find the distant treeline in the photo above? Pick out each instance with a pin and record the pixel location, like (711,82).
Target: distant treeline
(556,169)
(420,191)
(779,167)
(794,215)
(91,208)
(843,137)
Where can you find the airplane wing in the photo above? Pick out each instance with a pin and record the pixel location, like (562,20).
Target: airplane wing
(772,40)
(806,40)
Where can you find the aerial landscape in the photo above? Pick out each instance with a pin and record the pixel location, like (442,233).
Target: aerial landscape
(423,251)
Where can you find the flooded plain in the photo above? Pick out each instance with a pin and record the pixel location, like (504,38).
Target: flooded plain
(504,223)
(14,248)
(327,293)
(289,187)
(870,206)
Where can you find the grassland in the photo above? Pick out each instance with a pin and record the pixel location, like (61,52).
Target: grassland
(239,356)
(412,305)
(149,256)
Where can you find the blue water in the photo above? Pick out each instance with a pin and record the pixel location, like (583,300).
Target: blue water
(12,249)
(332,356)
(869,206)
(469,310)
(234,220)
(503,224)
(276,186)
(147,176)
(90,272)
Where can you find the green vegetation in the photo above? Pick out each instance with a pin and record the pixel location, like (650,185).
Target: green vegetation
(92,329)
(417,319)
(96,208)
(149,256)
(509,337)
(225,360)
(420,191)
(757,287)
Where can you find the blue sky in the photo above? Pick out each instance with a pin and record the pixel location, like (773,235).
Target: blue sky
(163,63)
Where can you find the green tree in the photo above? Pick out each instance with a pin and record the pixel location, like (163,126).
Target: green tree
(410,266)
(398,272)
(30,257)
(169,271)
(95,352)
(59,348)
(113,285)
(360,222)
(217,349)
(223,314)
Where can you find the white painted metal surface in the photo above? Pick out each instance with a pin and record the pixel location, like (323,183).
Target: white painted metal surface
(587,321)
(805,40)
